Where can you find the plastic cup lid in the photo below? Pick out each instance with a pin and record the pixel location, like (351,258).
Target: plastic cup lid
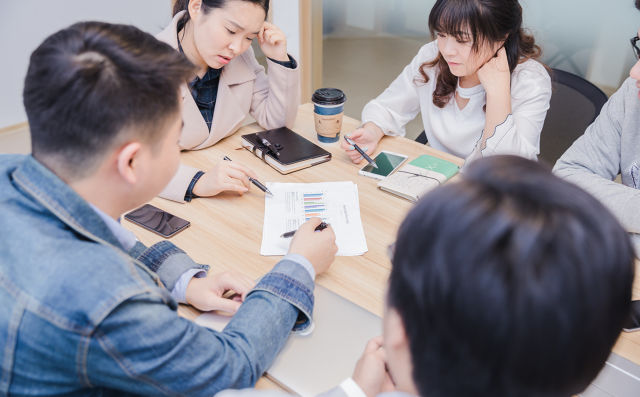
(328,96)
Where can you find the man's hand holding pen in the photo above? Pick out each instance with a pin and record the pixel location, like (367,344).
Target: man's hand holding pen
(319,247)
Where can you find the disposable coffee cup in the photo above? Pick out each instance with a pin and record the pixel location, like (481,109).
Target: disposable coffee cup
(328,109)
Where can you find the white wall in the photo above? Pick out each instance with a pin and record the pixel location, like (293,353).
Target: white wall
(589,38)
(24,24)
(286,15)
(379,17)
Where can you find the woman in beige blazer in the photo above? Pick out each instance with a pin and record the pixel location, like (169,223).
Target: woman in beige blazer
(216,36)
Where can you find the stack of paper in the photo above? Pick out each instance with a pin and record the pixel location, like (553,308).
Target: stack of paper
(293,204)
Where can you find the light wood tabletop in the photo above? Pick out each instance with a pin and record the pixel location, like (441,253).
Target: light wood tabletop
(226,230)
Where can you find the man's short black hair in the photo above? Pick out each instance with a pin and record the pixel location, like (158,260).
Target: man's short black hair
(638,4)
(88,83)
(511,282)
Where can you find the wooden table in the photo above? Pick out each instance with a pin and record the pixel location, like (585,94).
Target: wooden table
(226,230)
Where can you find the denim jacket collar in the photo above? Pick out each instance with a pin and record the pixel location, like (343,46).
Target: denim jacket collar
(54,194)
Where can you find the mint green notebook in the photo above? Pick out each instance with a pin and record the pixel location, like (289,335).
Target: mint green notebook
(444,167)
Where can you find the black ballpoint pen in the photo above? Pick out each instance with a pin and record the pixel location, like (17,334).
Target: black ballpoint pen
(256,182)
(362,152)
(318,228)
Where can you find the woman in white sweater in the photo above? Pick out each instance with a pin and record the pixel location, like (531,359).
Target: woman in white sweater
(478,86)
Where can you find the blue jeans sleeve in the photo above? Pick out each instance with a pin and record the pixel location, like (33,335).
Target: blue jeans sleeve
(167,260)
(291,282)
(143,347)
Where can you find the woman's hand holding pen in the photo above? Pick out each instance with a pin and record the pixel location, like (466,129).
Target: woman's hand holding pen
(319,247)
(366,137)
(273,42)
(206,293)
(225,176)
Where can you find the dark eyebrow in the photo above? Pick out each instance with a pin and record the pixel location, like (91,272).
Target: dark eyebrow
(460,34)
(239,26)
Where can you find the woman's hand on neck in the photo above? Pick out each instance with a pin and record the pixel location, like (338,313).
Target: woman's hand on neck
(188,44)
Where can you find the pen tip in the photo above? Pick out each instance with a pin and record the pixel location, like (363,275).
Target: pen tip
(268,193)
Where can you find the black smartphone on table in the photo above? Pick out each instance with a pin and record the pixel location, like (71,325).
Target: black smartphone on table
(156,220)
(633,321)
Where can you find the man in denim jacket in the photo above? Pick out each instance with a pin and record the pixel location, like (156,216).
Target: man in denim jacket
(86,309)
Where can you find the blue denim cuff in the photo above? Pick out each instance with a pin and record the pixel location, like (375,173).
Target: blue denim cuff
(169,262)
(304,262)
(291,282)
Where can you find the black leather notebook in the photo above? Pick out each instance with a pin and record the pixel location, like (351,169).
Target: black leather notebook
(285,150)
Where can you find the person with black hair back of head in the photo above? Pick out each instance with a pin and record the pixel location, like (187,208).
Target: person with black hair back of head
(508,282)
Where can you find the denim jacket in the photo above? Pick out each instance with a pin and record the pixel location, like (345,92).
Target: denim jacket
(80,316)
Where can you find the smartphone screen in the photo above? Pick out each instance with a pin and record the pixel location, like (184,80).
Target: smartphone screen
(633,322)
(386,162)
(157,220)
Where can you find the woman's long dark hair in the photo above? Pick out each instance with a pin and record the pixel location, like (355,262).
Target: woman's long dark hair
(182,5)
(488,21)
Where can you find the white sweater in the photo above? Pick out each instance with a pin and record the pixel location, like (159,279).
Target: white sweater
(457,131)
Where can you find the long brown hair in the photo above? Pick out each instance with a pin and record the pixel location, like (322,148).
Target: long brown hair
(488,21)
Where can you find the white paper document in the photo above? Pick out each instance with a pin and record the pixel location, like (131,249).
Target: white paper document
(293,204)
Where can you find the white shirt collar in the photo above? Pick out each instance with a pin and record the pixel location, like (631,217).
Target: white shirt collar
(469,92)
(124,236)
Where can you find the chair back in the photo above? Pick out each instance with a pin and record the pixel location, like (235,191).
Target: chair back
(575,104)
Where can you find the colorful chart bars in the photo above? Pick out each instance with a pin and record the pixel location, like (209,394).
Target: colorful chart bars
(314,205)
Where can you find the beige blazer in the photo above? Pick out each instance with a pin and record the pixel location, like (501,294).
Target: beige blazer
(244,89)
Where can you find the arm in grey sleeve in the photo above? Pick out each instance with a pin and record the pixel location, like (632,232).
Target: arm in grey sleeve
(593,161)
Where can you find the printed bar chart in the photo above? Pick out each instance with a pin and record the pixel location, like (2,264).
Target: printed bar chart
(293,204)
(314,205)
